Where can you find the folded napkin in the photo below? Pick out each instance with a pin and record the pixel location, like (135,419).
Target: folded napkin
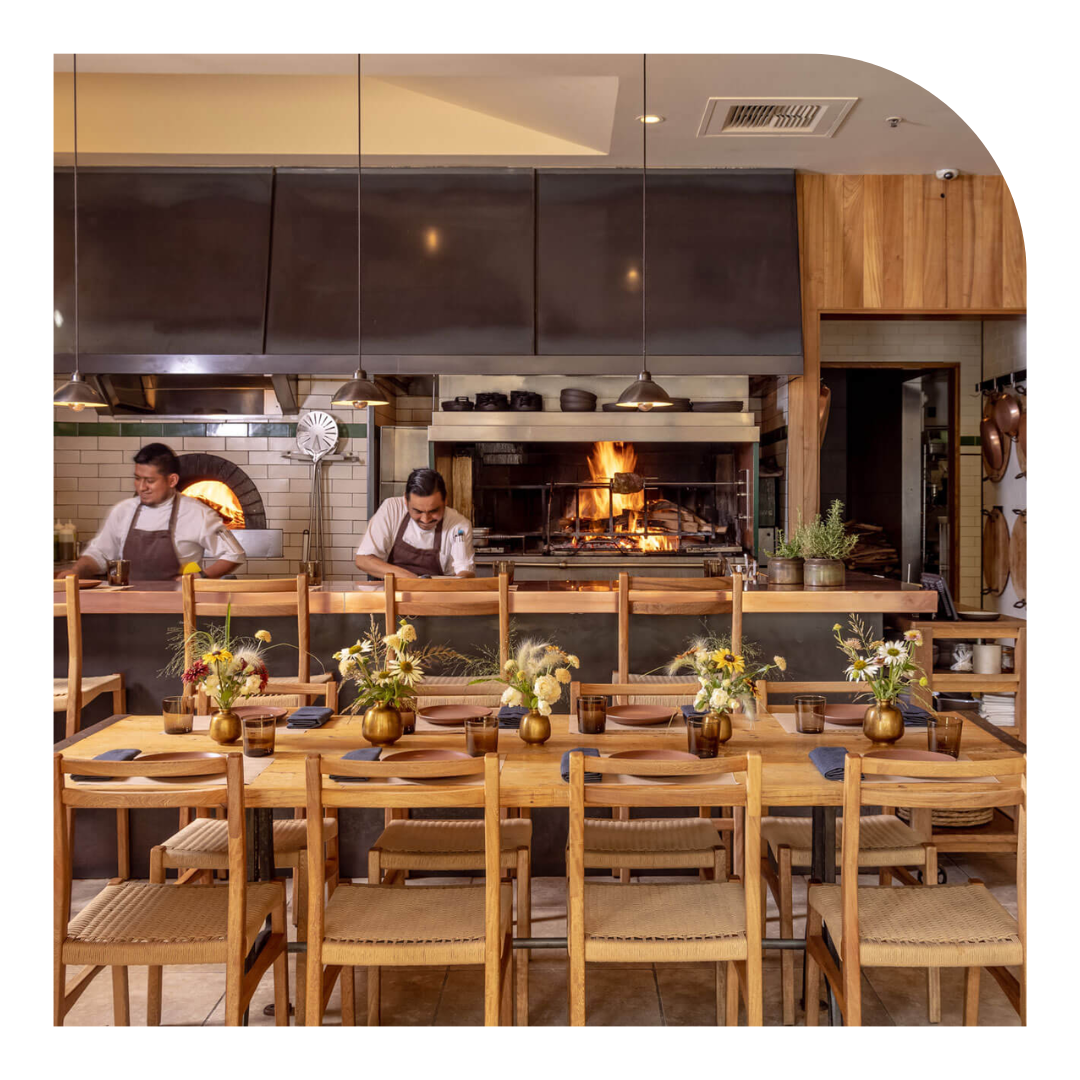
(109,755)
(310,716)
(365,753)
(510,716)
(914,715)
(689,711)
(829,761)
(588,751)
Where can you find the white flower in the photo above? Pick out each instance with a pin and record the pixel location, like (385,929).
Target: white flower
(211,684)
(701,701)
(702,681)
(543,708)
(365,646)
(392,641)
(861,670)
(252,685)
(719,699)
(407,633)
(563,675)
(406,670)
(339,654)
(573,661)
(913,635)
(512,696)
(892,652)
(547,688)
(348,667)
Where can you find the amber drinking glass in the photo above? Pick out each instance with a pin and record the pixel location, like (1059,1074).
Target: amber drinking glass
(481,735)
(178,714)
(258,736)
(809,714)
(943,734)
(118,571)
(703,736)
(592,714)
(714,567)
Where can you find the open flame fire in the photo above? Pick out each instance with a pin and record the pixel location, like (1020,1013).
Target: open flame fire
(220,497)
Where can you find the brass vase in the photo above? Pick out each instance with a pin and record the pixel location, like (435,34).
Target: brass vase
(883,723)
(718,726)
(535,729)
(382,725)
(225,726)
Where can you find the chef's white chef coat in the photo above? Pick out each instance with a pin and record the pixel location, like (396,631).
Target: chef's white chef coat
(200,535)
(455,552)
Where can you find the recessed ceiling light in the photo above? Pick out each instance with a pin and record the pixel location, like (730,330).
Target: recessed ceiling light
(651,118)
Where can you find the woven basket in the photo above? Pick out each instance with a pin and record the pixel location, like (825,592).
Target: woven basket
(953,819)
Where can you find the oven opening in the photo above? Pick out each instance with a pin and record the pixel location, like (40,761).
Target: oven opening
(219,497)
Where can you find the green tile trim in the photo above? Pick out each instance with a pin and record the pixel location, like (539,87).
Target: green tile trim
(970,440)
(63,428)
(139,431)
(105,430)
(190,430)
(353,431)
(276,431)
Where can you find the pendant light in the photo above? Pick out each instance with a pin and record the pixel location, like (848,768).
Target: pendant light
(643,394)
(360,391)
(77,394)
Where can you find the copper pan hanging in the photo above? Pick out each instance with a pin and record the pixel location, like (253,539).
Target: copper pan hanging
(988,399)
(1007,412)
(1021,443)
(995,552)
(995,449)
(824,401)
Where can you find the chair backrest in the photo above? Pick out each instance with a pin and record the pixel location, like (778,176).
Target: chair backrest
(684,596)
(72,609)
(451,590)
(683,690)
(68,795)
(379,792)
(940,791)
(765,687)
(747,794)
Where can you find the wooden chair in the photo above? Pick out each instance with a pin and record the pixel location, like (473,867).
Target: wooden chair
(713,921)
(379,925)
(667,842)
(931,925)
(887,844)
(279,690)
(139,922)
(77,690)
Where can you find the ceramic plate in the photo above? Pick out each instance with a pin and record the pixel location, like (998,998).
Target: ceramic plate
(428,755)
(640,714)
(180,755)
(658,755)
(846,715)
(909,755)
(260,712)
(451,715)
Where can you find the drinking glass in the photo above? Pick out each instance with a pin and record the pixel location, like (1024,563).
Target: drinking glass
(259,736)
(809,714)
(591,714)
(481,735)
(703,736)
(943,734)
(118,571)
(714,567)
(504,566)
(178,714)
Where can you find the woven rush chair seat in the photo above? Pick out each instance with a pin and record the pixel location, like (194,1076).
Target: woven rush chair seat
(448,845)
(646,843)
(493,701)
(942,926)
(125,923)
(435,924)
(697,921)
(91,685)
(653,699)
(205,842)
(884,840)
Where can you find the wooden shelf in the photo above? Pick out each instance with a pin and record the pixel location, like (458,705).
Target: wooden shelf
(1005,683)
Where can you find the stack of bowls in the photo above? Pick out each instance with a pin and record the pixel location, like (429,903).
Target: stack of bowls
(492,402)
(526,401)
(678,404)
(571,400)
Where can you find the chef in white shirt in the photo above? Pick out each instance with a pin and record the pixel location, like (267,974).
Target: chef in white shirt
(418,535)
(159,531)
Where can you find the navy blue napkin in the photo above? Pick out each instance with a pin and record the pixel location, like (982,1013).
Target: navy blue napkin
(829,761)
(914,715)
(510,716)
(689,711)
(365,753)
(310,716)
(588,751)
(109,755)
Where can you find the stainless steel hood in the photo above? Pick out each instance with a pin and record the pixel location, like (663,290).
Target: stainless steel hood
(186,395)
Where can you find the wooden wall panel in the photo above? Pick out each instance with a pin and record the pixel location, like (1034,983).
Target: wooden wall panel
(894,244)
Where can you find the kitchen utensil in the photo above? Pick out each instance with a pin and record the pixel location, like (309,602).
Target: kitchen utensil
(1021,442)
(640,715)
(653,755)
(259,712)
(995,449)
(610,406)
(451,715)
(313,569)
(977,615)
(845,715)
(824,404)
(1018,556)
(316,435)
(954,702)
(305,546)
(995,552)
(1007,412)
(717,406)
(459,404)
(118,571)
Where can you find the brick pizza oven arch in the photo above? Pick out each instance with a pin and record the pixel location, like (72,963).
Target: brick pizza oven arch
(196,467)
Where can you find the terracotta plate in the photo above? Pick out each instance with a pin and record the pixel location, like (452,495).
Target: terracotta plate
(847,715)
(658,755)
(451,714)
(639,714)
(180,755)
(428,755)
(260,712)
(84,583)
(909,755)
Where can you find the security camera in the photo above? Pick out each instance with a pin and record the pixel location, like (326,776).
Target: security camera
(947,174)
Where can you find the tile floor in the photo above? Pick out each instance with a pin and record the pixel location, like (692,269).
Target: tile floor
(638,994)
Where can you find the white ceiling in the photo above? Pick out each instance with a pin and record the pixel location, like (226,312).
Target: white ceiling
(575,110)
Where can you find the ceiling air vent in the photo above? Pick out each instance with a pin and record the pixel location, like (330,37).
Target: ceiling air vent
(774,116)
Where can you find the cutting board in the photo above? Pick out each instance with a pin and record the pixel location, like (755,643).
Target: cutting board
(995,552)
(1021,442)
(1018,556)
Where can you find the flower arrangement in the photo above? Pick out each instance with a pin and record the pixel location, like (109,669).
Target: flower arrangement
(386,668)
(826,539)
(887,667)
(534,676)
(724,677)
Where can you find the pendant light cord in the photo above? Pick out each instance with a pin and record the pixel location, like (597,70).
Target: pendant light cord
(359,244)
(75,191)
(644,147)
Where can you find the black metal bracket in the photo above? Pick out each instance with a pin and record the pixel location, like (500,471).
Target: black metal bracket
(1013,378)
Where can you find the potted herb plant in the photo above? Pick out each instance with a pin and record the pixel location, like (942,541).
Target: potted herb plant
(825,545)
(785,566)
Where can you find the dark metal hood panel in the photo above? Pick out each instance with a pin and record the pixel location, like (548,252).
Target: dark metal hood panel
(198,395)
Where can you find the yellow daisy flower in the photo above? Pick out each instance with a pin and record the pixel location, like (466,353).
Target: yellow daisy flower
(263,635)
(217,656)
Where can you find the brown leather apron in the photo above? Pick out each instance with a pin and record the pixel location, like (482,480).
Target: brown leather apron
(419,561)
(152,552)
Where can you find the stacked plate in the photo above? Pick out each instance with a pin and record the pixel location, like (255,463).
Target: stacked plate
(717,406)
(492,402)
(526,401)
(571,400)
(678,404)
(459,404)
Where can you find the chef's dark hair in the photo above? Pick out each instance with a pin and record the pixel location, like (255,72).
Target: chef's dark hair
(424,483)
(160,456)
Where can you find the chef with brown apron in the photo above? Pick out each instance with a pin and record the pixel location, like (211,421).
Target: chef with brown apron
(160,531)
(418,535)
